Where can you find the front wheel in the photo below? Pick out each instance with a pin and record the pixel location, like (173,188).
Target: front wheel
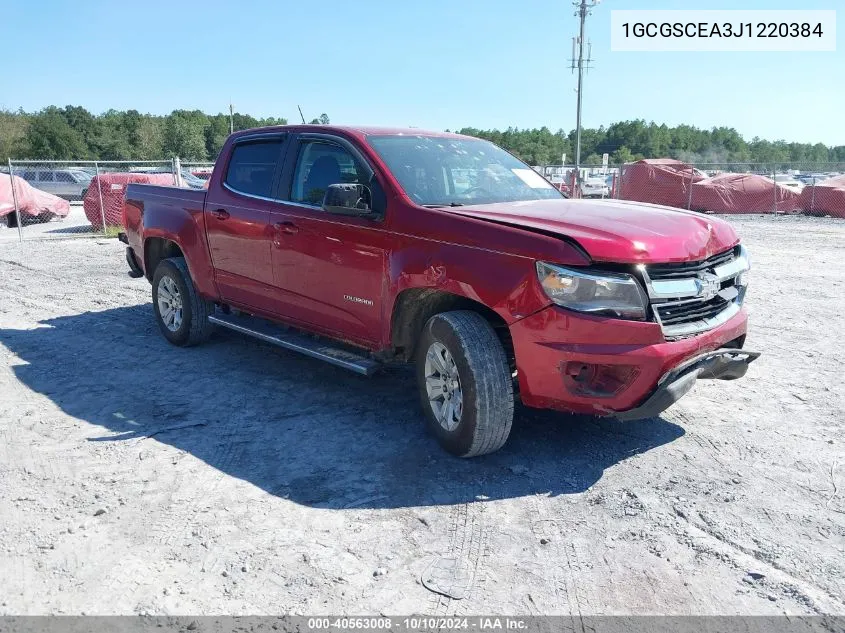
(182,315)
(465,383)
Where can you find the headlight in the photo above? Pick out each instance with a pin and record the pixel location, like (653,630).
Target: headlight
(742,278)
(603,294)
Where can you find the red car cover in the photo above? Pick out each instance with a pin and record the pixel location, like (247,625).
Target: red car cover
(112,186)
(658,181)
(31,201)
(825,198)
(743,193)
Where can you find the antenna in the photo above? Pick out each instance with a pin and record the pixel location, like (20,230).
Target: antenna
(231,117)
(583,10)
(578,57)
(302,116)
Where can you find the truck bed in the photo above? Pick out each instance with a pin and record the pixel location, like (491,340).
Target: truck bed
(139,192)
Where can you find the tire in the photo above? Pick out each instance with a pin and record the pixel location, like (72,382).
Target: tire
(482,421)
(192,310)
(134,269)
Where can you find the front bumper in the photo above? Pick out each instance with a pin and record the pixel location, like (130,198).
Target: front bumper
(548,343)
(722,364)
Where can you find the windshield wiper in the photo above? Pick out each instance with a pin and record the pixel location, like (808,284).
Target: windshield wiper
(451,204)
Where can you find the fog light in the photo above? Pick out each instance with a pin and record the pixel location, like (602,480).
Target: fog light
(598,381)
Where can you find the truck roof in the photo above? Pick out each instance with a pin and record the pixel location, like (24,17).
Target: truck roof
(352,130)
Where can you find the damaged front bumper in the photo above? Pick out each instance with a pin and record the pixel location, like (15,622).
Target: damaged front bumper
(720,364)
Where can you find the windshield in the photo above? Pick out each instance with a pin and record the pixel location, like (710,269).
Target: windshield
(439,171)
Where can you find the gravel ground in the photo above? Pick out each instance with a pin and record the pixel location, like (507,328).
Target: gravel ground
(58,228)
(136,477)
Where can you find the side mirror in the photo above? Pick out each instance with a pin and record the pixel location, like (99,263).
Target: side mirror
(348,199)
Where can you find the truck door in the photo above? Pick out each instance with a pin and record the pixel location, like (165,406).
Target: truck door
(329,269)
(237,220)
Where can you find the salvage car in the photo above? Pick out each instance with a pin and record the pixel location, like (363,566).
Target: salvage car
(70,184)
(355,246)
(595,187)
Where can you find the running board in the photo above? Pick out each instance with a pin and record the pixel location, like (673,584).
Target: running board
(297,342)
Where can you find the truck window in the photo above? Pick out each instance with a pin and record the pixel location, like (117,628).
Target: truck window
(252,167)
(319,165)
(64,176)
(45,176)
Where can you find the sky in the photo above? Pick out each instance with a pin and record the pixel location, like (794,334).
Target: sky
(432,64)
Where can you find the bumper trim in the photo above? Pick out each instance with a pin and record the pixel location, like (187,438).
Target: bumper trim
(721,364)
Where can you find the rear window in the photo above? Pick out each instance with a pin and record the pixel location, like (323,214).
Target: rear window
(253,165)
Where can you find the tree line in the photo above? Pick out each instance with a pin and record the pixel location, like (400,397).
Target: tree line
(628,141)
(73,133)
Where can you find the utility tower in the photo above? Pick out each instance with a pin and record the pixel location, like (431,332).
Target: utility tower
(581,64)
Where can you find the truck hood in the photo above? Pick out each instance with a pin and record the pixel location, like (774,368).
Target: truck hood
(618,231)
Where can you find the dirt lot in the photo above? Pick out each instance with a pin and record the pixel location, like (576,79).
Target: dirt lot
(236,478)
(58,228)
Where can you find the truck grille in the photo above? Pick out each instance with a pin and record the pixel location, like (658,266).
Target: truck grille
(674,312)
(689,269)
(692,297)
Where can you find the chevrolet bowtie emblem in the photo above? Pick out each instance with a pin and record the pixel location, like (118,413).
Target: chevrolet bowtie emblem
(708,286)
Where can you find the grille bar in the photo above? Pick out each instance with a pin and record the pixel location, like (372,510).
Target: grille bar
(672,313)
(689,269)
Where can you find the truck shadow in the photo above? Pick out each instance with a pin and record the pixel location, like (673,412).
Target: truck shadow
(296,427)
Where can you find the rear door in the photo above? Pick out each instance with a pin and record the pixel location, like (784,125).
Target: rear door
(237,219)
(329,269)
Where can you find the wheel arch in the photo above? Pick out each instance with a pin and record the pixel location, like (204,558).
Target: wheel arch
(157,249)
(415,306)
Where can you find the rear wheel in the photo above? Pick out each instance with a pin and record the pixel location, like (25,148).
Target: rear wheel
(465,383)
(181,314)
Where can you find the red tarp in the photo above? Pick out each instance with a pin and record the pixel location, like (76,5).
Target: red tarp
(32,202)
(743,193)
(825,198)
(659,181)
(113,186)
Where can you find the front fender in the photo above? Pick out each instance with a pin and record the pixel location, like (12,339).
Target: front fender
(507,284)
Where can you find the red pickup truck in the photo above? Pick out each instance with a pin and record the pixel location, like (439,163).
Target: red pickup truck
(366,246)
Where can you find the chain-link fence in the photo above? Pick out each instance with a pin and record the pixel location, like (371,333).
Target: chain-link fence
(200,170)
(809,188)
(597,181)
(43,199)
(59,199)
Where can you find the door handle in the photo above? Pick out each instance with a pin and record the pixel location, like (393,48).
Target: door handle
(286,227)
(220,214)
